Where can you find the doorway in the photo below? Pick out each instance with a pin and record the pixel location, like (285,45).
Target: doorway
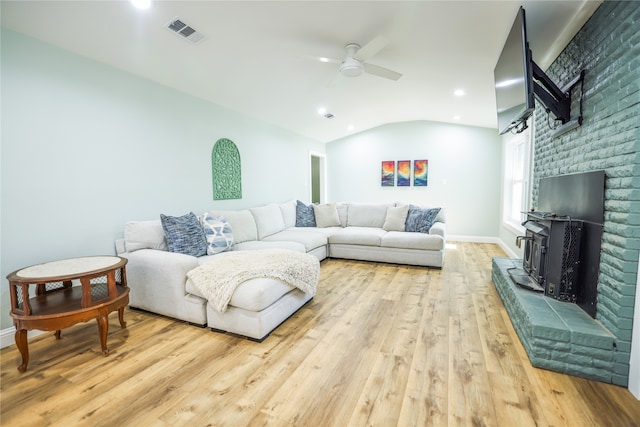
(318,177)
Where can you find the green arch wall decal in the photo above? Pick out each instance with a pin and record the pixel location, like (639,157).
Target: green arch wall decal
(226,171)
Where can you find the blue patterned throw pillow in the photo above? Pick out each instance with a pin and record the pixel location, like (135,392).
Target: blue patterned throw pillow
(218,233)
(305,217)
(420,220)
(184,234)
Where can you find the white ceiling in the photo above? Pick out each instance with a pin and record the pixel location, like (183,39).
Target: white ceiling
(258,57)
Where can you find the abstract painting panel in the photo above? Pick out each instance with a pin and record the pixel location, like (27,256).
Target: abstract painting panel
(388,173)
(420,172)
(404,173)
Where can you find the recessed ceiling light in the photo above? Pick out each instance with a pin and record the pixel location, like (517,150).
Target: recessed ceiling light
(322,111)
(350,127)
(459,92)
(456,117)
(324,59)
(141,4)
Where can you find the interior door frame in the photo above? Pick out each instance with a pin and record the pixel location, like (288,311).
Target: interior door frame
(322,176)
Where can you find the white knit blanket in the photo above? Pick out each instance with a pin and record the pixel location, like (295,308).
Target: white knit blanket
(218,279)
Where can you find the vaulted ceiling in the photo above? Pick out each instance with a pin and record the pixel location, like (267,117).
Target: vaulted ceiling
(261,58)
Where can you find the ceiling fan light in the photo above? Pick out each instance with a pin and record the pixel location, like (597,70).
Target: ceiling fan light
(351,67)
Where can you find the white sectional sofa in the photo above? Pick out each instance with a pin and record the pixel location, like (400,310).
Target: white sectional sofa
(158,278)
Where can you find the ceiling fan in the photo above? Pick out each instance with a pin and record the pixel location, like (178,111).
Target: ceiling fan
(355,63)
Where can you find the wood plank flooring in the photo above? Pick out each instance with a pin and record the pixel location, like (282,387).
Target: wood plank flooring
(380,345)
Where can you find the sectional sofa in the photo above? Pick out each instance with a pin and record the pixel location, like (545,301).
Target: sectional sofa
(370,232)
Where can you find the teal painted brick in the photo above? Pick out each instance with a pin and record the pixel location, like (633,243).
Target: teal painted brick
(620,357)
(552,346)
(621,380)
(603,364)
(618,252)
(592,341)
(623,346)
(590,373)
(621,369)
(603,357)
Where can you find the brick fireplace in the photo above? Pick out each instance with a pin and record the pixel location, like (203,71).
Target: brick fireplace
(608,140)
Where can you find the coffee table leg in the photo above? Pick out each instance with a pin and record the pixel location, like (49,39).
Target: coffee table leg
(103,330)
(21,343)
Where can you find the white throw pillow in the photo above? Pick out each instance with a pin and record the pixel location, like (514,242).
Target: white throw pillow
(326,215)
(396,217)
(144,235)
(218,233)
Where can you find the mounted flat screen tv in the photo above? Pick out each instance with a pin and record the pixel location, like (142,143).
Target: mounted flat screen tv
(514,79)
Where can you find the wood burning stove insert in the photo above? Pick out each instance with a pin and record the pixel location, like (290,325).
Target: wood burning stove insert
(552,253)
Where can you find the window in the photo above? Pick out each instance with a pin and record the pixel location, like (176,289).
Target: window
(517,170)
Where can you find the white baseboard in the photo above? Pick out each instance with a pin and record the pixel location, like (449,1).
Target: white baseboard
(7,336)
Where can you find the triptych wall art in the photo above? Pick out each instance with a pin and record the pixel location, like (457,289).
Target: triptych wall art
(402,168)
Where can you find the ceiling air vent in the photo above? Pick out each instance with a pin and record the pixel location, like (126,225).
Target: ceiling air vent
(189,33)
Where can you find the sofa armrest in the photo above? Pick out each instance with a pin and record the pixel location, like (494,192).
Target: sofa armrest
(157,279)
(439,228)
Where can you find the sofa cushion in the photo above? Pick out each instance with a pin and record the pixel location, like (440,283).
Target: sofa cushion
(305,217)
(268,220)
(252,295)
(242,223)
(420,220)
(326,215)
(343,213)
(288,210)
(184,234)
(367,236)
(412,240)
(144,235)
(218,233)
(311,239)
(263,244)
(367,215)
(396,217)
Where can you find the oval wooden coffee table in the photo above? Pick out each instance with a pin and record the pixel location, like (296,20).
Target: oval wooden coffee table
(58,304)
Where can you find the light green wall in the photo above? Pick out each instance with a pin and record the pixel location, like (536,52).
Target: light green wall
(86,147)
(464,171)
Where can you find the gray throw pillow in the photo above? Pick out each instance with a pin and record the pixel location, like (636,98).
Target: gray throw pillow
(420,220)
(184,234)
(305,217)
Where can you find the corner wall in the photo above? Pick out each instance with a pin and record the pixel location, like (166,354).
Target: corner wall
(608,47)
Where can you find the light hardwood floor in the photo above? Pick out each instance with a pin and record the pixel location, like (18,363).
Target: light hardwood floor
(380,345)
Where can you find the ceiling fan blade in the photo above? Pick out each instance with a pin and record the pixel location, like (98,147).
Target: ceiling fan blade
(369,50)
(381,72)
(323,59)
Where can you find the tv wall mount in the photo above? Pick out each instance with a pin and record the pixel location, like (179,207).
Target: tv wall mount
(556,100)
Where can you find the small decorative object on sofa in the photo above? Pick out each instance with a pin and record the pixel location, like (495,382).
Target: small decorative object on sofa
(218,233)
